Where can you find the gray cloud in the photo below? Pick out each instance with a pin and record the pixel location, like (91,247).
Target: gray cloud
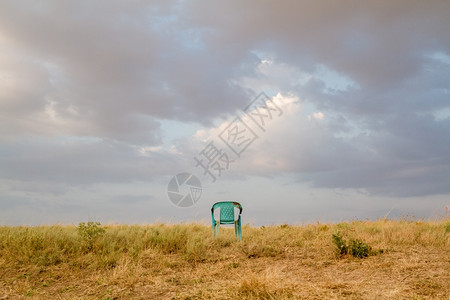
(85,89)
(103,64)
(75,161)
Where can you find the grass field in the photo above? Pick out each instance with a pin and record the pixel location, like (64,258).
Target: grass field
(407,259)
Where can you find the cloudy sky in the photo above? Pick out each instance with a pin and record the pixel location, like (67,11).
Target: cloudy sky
(103,102)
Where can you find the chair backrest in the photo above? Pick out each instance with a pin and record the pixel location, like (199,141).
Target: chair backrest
(226,210)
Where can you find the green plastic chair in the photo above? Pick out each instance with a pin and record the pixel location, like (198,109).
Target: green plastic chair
(227,217)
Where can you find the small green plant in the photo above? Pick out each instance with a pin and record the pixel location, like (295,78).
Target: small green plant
(90,230)
(356,248)
(447,227)
(340,243)
(360,249)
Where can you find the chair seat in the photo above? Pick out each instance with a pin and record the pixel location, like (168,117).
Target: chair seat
(227,221)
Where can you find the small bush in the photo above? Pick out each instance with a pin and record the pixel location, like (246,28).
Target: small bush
(339,242)
(90,232)
(360,249)
(356,248)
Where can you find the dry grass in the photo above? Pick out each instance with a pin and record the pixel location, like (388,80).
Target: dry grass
(184,262)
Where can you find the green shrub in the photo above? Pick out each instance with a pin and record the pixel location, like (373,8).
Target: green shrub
(339,242)
(356,248)
(447,227)
(359,249)
(90,232)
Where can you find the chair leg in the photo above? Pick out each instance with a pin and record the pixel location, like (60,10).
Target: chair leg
(217,231)
(240,229)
